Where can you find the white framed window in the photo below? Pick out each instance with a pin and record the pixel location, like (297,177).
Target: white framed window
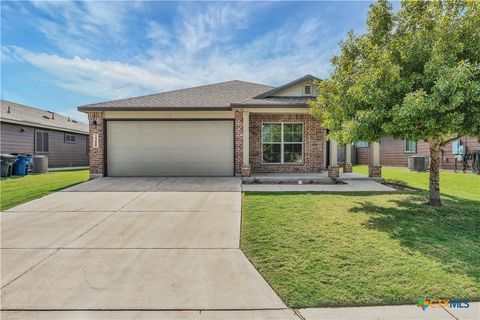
(282,142)
(307,90)
(410,146)
(361,144)
(42,144)
(70,138)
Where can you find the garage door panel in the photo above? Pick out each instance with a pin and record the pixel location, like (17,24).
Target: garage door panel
(170,148)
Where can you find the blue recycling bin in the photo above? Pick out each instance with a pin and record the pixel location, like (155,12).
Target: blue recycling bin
(30,163)
(20,167)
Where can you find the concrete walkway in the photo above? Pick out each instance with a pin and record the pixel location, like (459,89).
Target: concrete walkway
(349,186)
(132,248)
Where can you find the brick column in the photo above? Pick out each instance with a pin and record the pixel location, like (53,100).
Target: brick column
(333,169)
(246,170)
(238,143)
(375,169)
(96,155)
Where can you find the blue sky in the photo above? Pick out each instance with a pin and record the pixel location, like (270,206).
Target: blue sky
(58,55)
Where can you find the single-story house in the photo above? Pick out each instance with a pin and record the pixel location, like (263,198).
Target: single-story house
(232,128)
(38,132)
(395,152)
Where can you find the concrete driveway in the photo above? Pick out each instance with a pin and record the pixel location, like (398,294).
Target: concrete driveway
(133,248)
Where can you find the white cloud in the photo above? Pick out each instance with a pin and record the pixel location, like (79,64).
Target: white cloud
(158,34)
(200,28)
(102,79)
(293,50)
(197,48)
(79,28)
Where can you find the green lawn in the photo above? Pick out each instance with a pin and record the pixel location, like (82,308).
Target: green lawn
(464,185)
(320,249)
(16,190)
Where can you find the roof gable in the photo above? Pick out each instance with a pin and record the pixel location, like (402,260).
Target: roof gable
(291,89)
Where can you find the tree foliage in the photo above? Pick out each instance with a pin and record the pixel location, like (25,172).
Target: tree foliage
(414,74)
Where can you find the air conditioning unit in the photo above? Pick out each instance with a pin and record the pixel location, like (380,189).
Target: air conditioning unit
(418,163)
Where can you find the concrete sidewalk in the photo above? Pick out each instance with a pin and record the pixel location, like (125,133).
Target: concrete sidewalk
(406,312)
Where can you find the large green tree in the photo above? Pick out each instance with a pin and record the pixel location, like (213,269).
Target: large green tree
(414,74)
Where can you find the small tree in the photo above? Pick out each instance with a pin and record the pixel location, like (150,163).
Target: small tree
(414,74)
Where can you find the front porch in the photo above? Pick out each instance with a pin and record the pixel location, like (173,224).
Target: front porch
(252,146)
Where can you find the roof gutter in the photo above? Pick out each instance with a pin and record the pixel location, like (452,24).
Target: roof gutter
(39,125)
(269,105)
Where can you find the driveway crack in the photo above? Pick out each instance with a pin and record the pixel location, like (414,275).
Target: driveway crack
(36,264)
(101,221)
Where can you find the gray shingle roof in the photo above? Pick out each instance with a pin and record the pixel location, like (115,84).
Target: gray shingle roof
(217,96)
(29,116)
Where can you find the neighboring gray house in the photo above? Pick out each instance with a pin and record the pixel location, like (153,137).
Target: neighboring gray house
(33,131)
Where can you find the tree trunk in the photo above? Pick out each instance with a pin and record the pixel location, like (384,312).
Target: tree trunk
(434,186)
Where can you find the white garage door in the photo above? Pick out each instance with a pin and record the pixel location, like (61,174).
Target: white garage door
(170,148)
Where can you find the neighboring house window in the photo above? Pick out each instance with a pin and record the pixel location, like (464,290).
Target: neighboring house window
(410,146)
(70,138)
(41,141)
(361,144)
(282,142)
(308,90)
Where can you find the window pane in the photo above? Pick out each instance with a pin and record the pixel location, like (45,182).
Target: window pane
(271,132)
(38,144)
(292,132)
(292,153)
(361,144)
(45,142)
(271,153)
(410,146)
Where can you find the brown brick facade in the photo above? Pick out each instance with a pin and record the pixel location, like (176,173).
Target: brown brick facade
(312,149)
(363,155)
(96,154)
(392,153)
(313,144)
